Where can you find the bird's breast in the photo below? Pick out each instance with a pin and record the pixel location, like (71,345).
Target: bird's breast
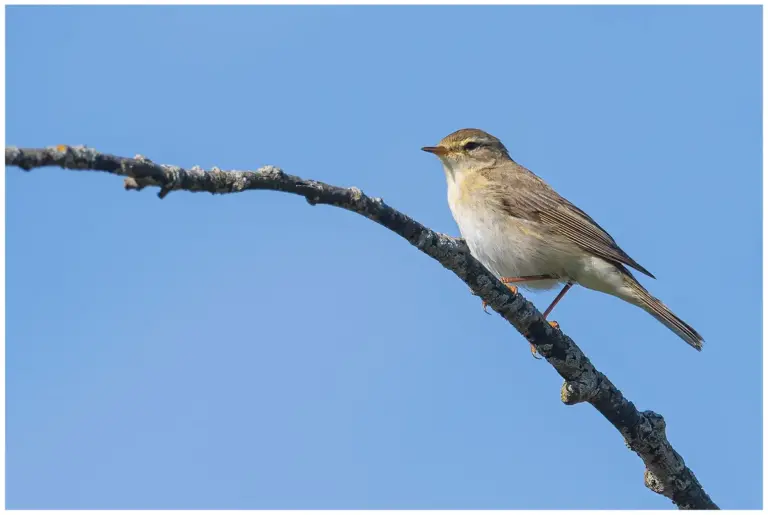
(508,246)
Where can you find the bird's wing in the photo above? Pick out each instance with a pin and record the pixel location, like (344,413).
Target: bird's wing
(544,205)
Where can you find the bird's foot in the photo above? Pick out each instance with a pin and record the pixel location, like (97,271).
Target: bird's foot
(511,287)
(534,352)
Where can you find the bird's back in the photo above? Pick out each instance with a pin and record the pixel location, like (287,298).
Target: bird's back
(525,195)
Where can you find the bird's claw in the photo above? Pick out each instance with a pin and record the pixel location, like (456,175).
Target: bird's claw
(554,324)
(534,352)
(511,287)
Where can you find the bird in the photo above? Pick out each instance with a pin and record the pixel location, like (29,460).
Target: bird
(527,234)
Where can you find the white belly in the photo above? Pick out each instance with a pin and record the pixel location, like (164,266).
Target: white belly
(519,249)
(513,250)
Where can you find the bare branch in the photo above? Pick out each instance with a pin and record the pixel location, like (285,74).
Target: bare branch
(644,432)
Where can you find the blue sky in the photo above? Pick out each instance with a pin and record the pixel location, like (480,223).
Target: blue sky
(252,351)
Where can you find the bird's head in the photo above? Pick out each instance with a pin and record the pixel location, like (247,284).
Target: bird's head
(468,149)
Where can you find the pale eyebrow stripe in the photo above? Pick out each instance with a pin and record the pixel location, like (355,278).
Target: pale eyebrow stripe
(473,140)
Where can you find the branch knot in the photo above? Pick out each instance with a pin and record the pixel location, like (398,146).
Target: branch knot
(173,177)
(583,389)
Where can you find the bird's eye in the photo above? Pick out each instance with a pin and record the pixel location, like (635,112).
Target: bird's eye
(472,145)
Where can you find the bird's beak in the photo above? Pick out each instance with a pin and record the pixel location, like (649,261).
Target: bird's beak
(440,151)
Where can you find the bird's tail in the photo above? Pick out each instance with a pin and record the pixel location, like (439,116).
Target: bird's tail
(663,314)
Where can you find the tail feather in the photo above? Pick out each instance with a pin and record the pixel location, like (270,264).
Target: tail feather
(663,314)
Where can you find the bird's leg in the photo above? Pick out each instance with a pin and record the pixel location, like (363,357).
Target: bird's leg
(526,278)
(557,299)
(549,310)
(509,280)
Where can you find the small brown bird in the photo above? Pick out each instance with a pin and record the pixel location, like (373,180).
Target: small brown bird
(525,233)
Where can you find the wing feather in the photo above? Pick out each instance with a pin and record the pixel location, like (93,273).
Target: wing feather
(544,205)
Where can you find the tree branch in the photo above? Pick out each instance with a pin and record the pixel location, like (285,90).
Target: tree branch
(644,432)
